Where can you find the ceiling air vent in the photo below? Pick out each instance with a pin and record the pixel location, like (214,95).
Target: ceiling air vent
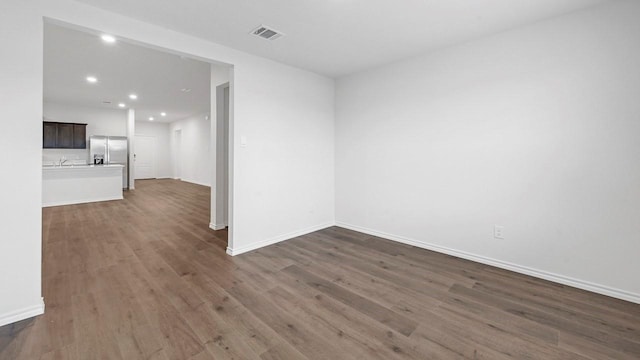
(266,33)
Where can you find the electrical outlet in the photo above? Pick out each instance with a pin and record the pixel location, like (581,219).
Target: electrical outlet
(498,232)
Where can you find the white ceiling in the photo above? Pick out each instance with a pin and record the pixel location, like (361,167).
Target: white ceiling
(338,37)
(121,68)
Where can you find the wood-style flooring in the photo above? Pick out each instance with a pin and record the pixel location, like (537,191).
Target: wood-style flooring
(145,278)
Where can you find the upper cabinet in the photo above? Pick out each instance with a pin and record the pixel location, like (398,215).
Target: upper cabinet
(64,135)
(49,131)
(79,136)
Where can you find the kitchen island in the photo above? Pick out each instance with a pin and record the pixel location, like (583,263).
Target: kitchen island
(76,184)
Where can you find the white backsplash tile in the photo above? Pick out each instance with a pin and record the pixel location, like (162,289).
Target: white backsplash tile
(73,156)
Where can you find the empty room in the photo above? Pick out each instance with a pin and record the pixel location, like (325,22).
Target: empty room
(423,179)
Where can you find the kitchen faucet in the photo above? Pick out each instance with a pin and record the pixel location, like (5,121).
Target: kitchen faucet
(63,160)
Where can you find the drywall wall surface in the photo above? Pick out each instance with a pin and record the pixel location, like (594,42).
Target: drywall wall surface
(194,154)
(159,131)
(100,121)
(284,175)
(534,129)
(288,140)
(21,138)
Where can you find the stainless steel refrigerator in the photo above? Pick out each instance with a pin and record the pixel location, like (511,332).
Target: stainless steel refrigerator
(110,150)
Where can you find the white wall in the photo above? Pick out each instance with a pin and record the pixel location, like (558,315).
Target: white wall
(289,132)
(535,129)
(283,178)
(194,153)
(21,194)
(160,131)
(100,121)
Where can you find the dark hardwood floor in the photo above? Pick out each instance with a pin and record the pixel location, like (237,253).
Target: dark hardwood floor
(144,278)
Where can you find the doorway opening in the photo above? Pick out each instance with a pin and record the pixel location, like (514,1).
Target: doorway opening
(164,102)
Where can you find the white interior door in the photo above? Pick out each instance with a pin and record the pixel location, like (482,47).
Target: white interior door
(145,157)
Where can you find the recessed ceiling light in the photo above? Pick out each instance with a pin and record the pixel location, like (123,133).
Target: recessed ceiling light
(92,79)
(151,118)
(133,96)
(163,114)
(122,105)
(185,90)
(108,39)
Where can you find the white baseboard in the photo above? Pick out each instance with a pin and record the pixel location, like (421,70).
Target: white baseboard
(557,278)
(22,314)
(195,182)
(213,226)
(277,239)
(80,201)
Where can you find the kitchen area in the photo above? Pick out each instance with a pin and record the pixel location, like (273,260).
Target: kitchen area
(79,171)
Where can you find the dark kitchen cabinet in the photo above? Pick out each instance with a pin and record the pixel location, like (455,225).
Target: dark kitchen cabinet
(49,132)
(64,135)
(64,138)
(79,136)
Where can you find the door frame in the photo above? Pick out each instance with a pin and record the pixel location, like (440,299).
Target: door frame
(141,39)
(177,154)
(222,183)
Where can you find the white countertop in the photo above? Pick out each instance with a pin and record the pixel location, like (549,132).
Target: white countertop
(80,167)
